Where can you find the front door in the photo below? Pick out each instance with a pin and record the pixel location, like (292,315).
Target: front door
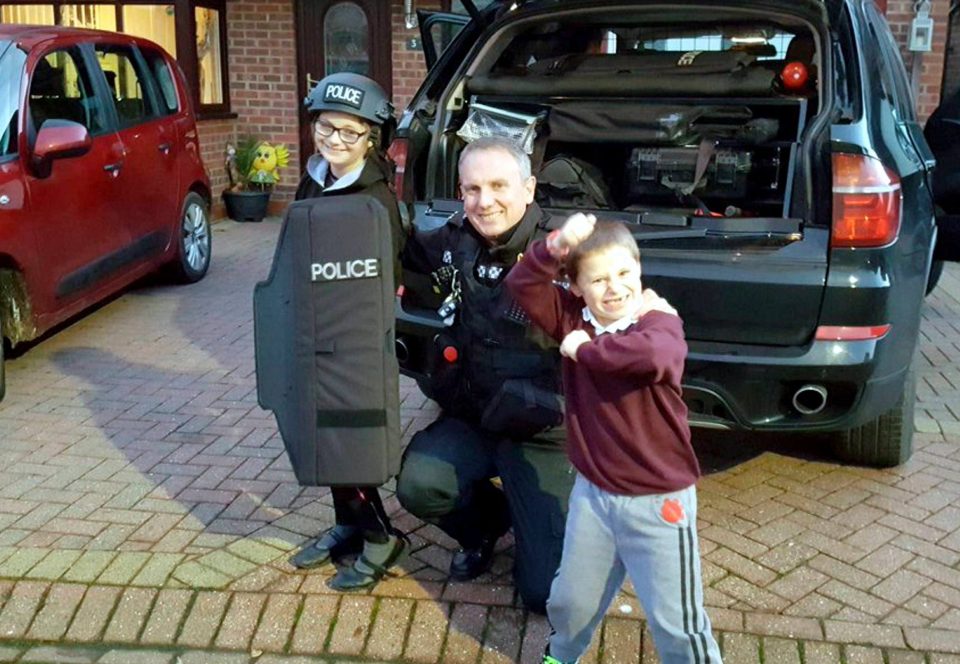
(79,234)
(149,189)
(340,35)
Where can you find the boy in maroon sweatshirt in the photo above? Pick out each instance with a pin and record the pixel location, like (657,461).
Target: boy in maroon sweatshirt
(633,507)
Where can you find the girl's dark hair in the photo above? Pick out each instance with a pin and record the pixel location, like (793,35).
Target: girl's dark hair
(605,234)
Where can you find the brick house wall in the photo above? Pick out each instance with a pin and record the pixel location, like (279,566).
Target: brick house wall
(408,65)
(900,14)
(263,88)
(263,92)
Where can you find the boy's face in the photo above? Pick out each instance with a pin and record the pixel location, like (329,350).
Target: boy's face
(609,282)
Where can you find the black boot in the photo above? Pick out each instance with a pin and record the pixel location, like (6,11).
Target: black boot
(372,565)
(338,541)
(470,562)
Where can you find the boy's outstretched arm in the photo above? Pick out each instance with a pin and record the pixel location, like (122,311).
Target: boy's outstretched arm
(531,284)
(531,279)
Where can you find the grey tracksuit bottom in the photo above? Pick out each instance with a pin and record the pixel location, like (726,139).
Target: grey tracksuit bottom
(654,539)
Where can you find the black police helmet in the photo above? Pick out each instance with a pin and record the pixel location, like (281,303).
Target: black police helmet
(350,93)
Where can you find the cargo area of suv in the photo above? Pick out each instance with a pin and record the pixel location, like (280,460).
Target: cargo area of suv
(759,153)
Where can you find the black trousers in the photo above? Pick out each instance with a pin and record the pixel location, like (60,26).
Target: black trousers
(361,507)
(445,480)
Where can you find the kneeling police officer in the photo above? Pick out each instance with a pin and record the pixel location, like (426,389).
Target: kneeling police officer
(500,399)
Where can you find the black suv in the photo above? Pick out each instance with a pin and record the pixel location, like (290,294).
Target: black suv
(767,156)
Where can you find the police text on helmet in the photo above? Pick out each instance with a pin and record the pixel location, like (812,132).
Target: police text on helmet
(361,268)
(344,94)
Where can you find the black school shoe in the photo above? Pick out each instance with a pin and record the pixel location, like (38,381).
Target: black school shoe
(372,565)
(469,563)
(336,542)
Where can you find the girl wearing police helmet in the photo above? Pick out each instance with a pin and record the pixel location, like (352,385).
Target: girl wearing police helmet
(349,113)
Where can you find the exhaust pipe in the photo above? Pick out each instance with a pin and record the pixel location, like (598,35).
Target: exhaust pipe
(403,353)
(810,399)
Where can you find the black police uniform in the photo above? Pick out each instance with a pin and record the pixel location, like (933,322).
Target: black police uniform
(482,433)
(361,506)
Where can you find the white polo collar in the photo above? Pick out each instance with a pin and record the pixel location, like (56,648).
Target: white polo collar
(317,167)
(615,326)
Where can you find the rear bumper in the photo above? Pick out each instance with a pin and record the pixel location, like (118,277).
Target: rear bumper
(754,389)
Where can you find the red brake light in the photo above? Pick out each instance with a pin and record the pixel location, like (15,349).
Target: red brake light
(851,333)
(867,202)
(397,152)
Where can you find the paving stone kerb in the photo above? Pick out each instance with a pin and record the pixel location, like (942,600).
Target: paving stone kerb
(146,502)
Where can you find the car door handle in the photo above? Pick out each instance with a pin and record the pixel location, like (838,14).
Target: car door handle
(113,169)
(164,148)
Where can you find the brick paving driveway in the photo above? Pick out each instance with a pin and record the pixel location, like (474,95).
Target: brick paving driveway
(147,512)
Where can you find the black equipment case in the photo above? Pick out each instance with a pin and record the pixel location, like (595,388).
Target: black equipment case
(324,342)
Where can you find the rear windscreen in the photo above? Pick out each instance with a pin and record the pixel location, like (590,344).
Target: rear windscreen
(540,46)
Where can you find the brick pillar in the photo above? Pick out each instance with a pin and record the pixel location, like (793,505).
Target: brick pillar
(263,86)
(409,68)
(900,14)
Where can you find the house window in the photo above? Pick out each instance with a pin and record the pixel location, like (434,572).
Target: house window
(30,14)
(157,23)
(193,31)
(209,52)
(98,17)
(345,39)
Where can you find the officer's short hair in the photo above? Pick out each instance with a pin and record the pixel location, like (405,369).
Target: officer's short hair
(606,234)
(499,143)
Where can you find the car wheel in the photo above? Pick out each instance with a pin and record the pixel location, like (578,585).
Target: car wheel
(194,240)
(886,441)
(936,269)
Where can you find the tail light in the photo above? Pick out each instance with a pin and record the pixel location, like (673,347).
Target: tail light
(850,333)
(867,202)
(398,151)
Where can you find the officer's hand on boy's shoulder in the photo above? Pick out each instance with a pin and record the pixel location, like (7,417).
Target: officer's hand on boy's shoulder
(573,341)
(575,230)
(653,302)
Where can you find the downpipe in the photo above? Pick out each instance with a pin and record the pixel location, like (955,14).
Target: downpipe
(810,399)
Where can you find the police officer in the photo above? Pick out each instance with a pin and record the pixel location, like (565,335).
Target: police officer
(350,114)
(500,398)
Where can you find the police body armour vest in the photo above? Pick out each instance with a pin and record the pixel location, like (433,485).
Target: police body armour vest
(324,342)
(493,333)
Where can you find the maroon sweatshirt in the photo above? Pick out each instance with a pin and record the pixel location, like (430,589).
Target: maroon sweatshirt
(627,428)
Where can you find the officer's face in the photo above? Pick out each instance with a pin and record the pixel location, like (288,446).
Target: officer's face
(494,195)
(342,155)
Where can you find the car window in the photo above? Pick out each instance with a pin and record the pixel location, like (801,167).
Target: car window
(442,35)
(892,72)
(61,89)
(12,60)
(163,75)
(553,44)
(128,84)
(846,75)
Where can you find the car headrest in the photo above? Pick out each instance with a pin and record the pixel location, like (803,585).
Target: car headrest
(801,49)
(47,81)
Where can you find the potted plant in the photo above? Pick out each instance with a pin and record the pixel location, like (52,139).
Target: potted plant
(253,168)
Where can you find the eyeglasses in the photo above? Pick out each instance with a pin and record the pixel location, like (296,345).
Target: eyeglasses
(347,135)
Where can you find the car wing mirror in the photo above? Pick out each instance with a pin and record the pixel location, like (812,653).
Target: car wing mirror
(58,139)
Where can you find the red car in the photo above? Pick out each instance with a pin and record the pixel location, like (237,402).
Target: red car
(101,180)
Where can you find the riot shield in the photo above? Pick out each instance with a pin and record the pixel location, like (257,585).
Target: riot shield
(324,342)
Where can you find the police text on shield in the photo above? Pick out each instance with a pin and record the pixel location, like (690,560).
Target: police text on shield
(361,268)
